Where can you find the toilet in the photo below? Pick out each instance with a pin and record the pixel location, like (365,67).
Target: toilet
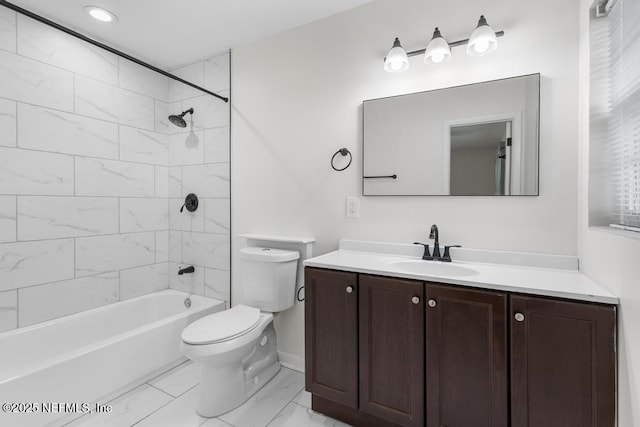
(236,348)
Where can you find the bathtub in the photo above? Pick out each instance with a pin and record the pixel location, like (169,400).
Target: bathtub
(87,356)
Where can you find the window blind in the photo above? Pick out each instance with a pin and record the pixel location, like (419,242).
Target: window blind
(615,111)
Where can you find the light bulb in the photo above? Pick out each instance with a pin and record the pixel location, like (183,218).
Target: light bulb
(396,65)
(437,57)
(481,46)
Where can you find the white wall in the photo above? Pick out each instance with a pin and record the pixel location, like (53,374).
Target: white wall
(297,99)
(610,258)
(199,163)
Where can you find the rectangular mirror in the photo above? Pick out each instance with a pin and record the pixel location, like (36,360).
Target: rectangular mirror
(474,140)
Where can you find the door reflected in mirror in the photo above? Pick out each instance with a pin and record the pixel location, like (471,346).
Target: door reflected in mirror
(480,162)
(479,139)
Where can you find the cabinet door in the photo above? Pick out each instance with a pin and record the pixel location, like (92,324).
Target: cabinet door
(562,363)
(466,357)
(391,338)
(331,340)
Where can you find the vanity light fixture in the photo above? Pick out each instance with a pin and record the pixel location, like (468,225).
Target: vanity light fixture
(483,40)
(397,59)
(101,14)
(438,49)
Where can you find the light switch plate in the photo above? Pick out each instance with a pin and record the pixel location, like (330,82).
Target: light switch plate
(353,207)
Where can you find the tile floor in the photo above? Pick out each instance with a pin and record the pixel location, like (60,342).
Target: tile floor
(170,400)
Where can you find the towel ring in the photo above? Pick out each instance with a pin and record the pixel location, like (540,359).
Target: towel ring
(343,152)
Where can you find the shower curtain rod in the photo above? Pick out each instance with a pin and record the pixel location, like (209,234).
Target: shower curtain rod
(104,46)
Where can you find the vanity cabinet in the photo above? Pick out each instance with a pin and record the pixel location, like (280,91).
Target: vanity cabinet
(562,363)
(383,351)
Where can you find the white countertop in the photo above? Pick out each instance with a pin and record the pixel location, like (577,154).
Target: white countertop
(560,281)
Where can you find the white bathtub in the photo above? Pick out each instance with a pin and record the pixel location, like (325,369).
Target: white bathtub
(86,356)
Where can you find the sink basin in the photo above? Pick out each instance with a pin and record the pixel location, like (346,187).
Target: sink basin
(432,268)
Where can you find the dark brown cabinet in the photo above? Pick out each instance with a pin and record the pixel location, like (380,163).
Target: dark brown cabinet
(391,343)
(383,351)
(331,342)
(467,365)
(562,363)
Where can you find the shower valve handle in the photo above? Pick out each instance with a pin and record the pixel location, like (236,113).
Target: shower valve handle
(190,202)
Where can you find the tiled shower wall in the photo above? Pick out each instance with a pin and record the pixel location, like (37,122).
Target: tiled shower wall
(85,177)
(199,163)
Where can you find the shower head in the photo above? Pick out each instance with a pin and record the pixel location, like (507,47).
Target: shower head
(178,120)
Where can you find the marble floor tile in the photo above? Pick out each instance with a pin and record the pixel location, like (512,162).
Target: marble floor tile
(127,409)
(179,379)
(294,415)
(170,400)
(303,398)
(181,412)
(215,422)
(262,407)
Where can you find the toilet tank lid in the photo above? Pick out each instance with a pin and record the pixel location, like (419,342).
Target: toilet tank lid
(255,253)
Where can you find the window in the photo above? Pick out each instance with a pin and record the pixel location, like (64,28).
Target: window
(614,177)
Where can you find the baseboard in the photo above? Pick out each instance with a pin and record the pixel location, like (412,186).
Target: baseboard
(291,361)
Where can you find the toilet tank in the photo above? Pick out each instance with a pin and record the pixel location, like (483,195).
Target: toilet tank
(268,277)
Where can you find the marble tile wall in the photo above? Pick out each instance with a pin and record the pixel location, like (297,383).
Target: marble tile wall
(199,163)
(85,181)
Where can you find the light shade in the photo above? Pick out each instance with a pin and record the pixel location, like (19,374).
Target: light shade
(100,14)
(438,49)
(397,59)
(483,40)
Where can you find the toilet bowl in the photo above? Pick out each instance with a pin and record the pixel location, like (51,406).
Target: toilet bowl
(236,348)
(237,352)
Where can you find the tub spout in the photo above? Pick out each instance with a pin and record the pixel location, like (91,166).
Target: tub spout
(189,269)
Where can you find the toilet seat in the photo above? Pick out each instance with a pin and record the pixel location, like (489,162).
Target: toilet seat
(223,326)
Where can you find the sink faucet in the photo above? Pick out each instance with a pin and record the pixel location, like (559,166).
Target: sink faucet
(433,234)
(436,243)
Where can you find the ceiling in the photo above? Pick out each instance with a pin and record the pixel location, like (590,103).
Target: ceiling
(174,33)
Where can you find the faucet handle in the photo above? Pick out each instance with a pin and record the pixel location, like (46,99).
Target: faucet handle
(447,256)
(426,255)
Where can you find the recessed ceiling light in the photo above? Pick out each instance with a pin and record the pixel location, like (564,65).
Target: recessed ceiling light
(100,14)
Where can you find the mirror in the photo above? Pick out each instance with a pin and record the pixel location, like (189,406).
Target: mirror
(478,139)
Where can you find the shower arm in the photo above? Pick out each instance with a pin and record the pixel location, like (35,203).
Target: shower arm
(105,47)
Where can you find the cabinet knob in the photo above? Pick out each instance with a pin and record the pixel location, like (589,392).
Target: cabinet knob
(519,317)
(432,303)
(415,300)
(349,289)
